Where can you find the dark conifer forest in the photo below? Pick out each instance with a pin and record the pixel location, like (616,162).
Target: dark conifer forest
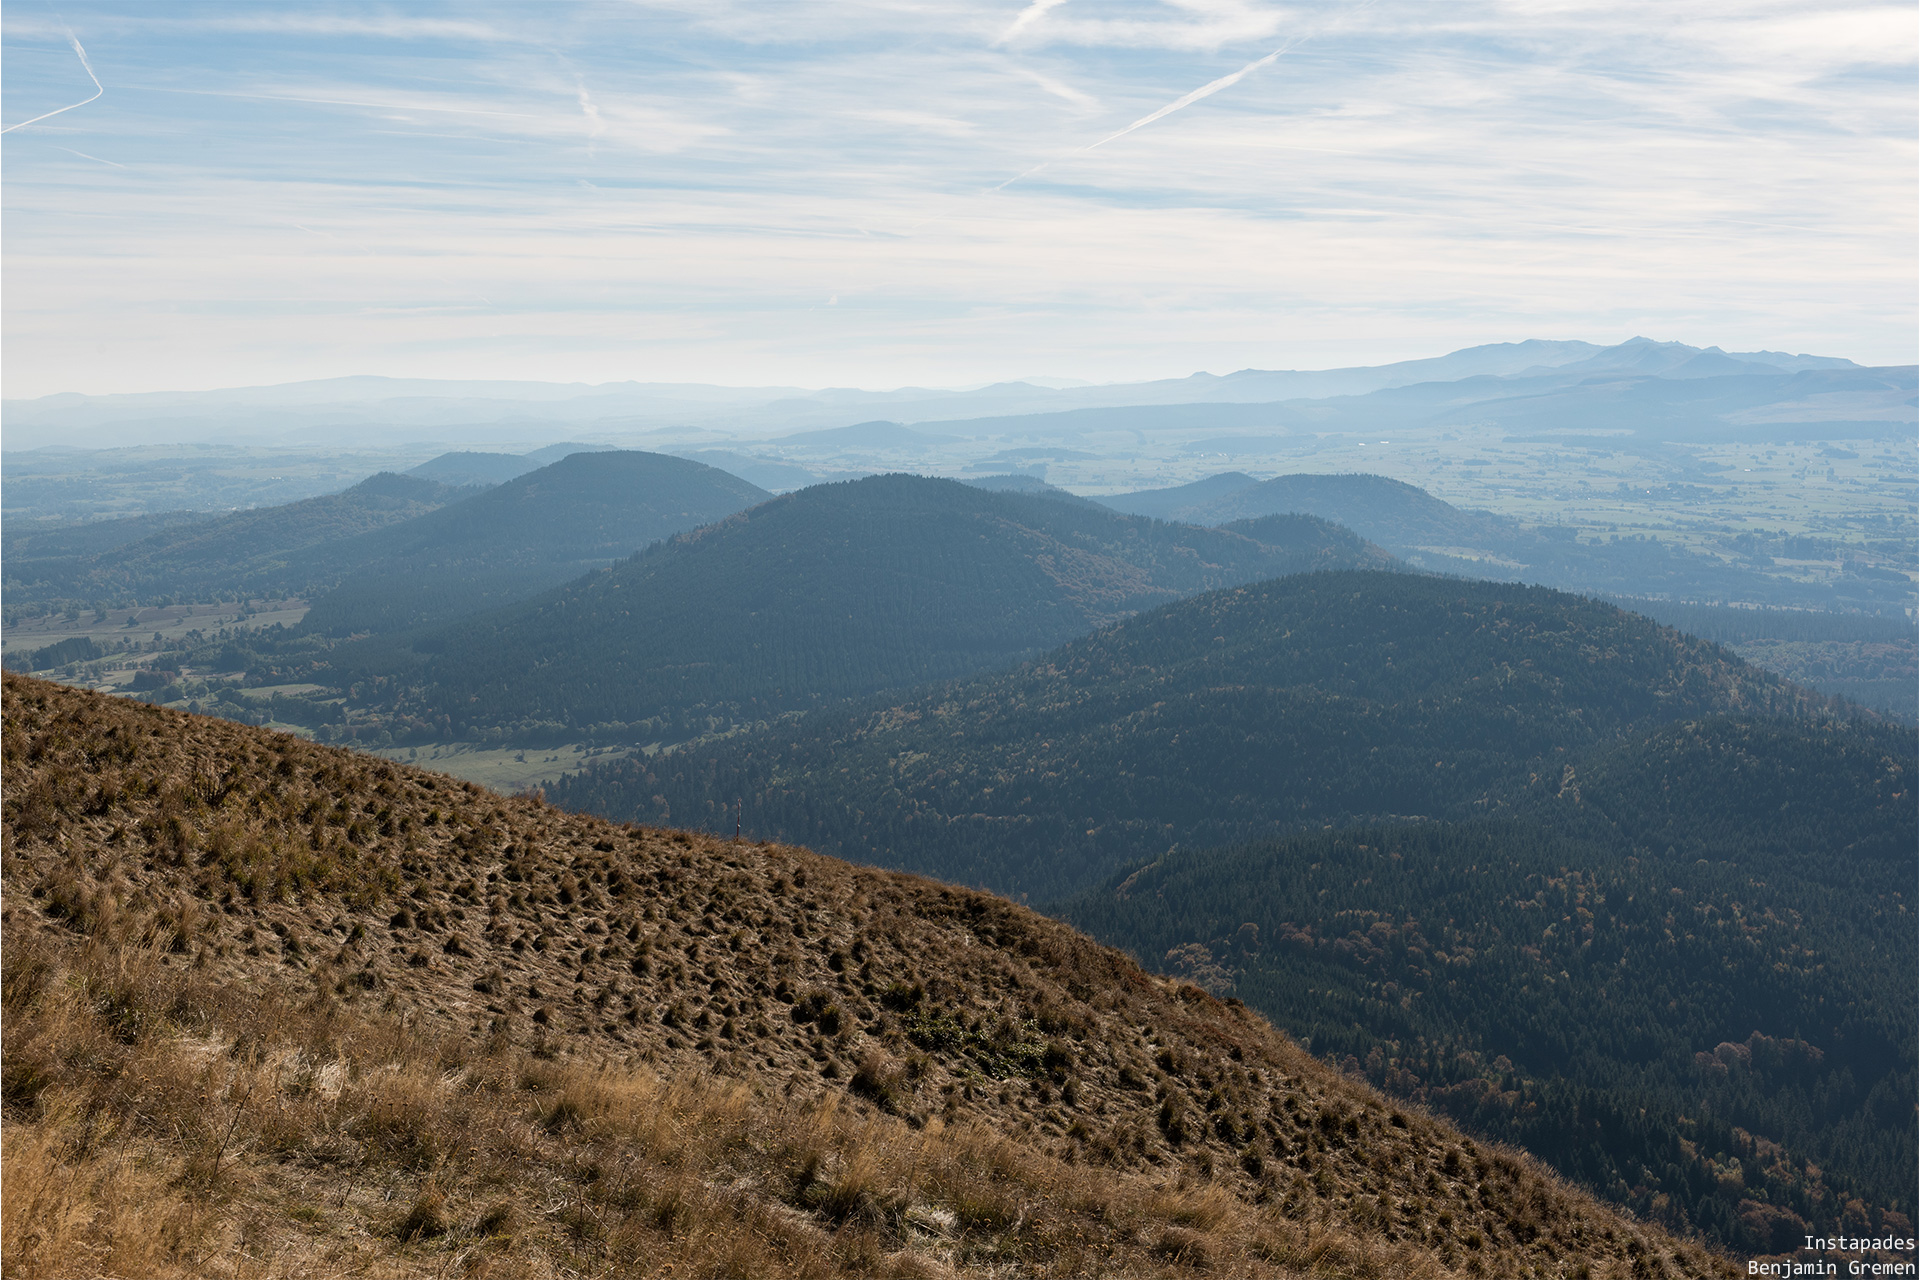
(1243,713)
(1717,1034)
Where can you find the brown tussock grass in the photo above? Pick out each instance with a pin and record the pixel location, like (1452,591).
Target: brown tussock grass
(278,1010)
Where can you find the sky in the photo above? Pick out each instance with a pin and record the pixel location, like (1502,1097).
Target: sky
(880,193)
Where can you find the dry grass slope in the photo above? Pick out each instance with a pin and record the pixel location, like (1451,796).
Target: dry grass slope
(274,1009)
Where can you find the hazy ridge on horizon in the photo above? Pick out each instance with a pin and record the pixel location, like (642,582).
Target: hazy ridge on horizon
(625,408)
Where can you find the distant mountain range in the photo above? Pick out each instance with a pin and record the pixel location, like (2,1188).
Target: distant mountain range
(1701,400)
(1752,384)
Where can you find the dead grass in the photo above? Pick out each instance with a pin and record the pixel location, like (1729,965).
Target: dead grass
(277,1010)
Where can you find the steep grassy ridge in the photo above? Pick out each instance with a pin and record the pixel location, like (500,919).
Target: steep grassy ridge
(275,1009)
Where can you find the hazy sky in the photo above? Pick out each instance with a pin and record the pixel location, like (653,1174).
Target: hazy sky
(936,192)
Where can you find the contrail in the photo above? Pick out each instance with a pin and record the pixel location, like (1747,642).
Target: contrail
(1027,17)
(84,156)
(1204,91)
(98,88)
(1038,7)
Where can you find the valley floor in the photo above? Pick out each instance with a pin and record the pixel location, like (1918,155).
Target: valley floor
(168,623)
(509,769)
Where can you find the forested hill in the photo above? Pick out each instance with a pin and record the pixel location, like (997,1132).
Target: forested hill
(831,591)
(1828,795)
(1702,1006)
(517,539)
(1251,711)
(28,539)
(1390,512)
(245,552)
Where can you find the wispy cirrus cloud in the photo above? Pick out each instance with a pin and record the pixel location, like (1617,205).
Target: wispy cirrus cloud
(614,190)
(384,26)
(233,20)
